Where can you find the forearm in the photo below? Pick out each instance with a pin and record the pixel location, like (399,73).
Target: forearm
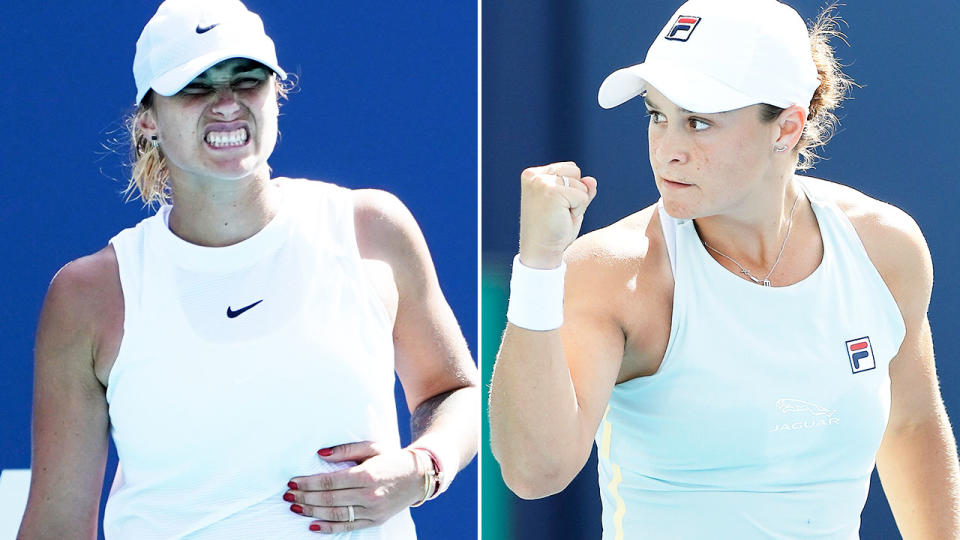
(447,425)
(919,471)
(537,431)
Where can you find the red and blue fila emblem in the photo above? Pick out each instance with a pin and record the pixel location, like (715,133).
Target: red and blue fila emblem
(861,354)
(682,28)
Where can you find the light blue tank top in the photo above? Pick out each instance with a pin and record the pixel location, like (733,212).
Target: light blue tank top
(767,411)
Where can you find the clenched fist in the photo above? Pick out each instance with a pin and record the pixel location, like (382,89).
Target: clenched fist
(553,199)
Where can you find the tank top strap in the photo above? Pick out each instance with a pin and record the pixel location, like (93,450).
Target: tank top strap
(668,224)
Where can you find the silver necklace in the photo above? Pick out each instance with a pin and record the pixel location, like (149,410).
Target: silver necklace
(766,279)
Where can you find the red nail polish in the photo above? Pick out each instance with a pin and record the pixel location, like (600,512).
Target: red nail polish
(289,497)
(296,508)
(325,452)
(292,485)
(314,527)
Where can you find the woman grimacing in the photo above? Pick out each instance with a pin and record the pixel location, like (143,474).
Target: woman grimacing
(744,351)
(241,345)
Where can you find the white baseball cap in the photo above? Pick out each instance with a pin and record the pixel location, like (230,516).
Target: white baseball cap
(187,37)
(721,55)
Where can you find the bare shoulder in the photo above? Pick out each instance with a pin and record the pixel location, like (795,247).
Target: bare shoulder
(83,311)
(619,280)
(626,251)
(88,281)
(385,227)
(891,237)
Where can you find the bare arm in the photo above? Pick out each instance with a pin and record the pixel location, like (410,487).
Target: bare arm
(70,422)
(917,460)
(433,362)
(435,368)
(549,388)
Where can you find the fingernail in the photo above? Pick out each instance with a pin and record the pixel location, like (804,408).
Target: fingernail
(325,452)
(314,527)
(289,497)
(296,508)
(292,485)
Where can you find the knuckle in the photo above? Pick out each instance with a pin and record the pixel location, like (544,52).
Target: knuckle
(326,498)
(339,513)
(325,483)
(545,181)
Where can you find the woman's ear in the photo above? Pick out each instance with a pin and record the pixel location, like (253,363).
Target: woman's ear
(790,122)
(147,123)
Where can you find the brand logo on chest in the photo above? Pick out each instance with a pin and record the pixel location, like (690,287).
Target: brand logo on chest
(803,415)
(860,353)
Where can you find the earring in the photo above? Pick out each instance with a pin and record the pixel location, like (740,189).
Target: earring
(780,148)
(153,141)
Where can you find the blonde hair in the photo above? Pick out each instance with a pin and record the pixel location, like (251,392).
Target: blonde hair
(834,85)
(149,180)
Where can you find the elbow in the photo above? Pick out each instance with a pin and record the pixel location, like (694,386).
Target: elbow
(531,487)
(534,480)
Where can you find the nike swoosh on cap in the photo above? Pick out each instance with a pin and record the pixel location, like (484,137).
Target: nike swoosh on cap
(203,29)
(233,314)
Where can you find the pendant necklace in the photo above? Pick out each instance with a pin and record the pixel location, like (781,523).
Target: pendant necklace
(765,281)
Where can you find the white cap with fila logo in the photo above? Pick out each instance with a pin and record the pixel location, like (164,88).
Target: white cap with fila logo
(186,37)
(720,55)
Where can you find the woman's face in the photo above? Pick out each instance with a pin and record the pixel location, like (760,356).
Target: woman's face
(708,164)
(222,125)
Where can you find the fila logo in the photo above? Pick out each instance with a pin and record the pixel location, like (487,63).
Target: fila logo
(861,354)
(682,28)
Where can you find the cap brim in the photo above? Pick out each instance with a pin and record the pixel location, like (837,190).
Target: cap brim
(174,80)
(687,89)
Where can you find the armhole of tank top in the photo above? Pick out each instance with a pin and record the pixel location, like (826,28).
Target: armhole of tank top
(668,224)
(855,243)
(352,249)
(129,283)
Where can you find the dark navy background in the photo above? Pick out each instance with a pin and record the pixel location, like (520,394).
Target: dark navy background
(387,98)
(543,61)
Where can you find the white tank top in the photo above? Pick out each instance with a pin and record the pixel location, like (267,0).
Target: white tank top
(766,414)
(237,364)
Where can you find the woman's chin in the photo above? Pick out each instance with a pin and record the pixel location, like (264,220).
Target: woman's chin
(679,210)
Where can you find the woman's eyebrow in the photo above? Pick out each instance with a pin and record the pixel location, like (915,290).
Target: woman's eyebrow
(651,105)
(248,65)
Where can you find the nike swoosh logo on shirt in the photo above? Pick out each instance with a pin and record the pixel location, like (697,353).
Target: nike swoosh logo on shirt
(203,29)
(234,314)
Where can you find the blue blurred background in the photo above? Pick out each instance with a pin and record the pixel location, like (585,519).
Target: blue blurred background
(543,61)
(387,98)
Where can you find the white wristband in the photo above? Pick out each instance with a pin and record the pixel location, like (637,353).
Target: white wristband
(536,297)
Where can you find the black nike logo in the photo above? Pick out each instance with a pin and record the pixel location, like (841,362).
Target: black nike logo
(233,314)
(203,29)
